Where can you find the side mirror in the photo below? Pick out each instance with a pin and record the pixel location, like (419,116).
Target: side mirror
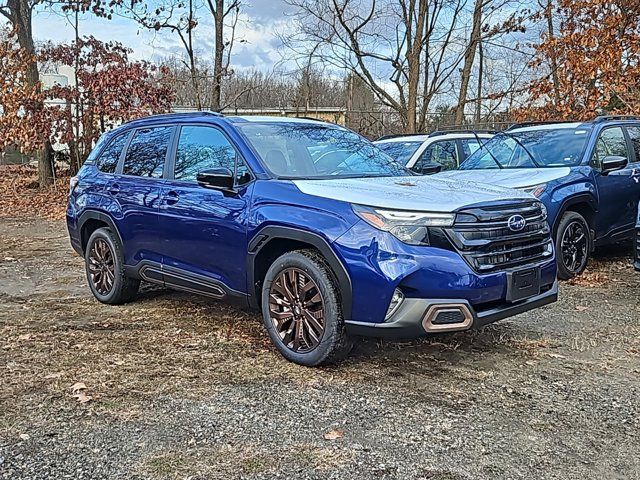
(429,169)
(218,178)
(611,163)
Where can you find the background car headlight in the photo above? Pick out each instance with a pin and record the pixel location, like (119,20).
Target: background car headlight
(535,190)
(409,227)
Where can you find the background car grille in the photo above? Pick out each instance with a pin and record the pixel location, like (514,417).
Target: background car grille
(483,237)
(638,245)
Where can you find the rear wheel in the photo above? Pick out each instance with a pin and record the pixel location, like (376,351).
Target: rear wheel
(104,264)
(573,245)
(301,309)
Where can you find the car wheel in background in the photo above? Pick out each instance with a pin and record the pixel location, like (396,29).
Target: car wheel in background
(573,245)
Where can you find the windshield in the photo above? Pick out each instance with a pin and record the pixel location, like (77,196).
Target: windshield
(297,151)
(401,152)
(561,147)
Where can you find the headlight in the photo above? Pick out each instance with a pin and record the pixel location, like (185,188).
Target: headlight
(535,190)
(408,227)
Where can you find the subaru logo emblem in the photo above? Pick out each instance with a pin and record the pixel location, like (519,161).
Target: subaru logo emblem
(516,223)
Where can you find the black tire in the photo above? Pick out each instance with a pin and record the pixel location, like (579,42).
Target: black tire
(122,289)
(333,344)
(572,250)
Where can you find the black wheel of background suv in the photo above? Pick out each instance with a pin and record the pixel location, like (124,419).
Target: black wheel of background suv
(573,245)
(104,263)
(301,310)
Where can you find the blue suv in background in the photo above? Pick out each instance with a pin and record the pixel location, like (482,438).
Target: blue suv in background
(587,174)
(308,222)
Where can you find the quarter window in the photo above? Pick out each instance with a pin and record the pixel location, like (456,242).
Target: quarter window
(203,148)
(147,152)
(634,134)
(610,142)
(108,159)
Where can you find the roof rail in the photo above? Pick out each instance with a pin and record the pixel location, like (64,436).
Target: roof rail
(471,131)
(535,123)
(194,113)
(398,135)
(604,118)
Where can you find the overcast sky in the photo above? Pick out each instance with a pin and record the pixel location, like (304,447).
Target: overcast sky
(260,22)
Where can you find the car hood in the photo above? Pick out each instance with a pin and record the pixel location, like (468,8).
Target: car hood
(509,177)
(427,193)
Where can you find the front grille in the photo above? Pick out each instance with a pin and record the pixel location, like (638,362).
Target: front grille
(483,237)
(638,245)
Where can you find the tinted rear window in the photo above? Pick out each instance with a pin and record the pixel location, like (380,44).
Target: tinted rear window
(147,152)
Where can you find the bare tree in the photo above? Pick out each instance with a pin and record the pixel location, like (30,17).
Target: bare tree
(19,13)
(483,29)
(221,10)
(393,46)
(175,16)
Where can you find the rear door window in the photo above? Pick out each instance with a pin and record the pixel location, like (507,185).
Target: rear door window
(108,159)
(469,146)
(147,152)
(634,135)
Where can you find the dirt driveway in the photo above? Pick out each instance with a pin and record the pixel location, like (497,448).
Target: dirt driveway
(181,387)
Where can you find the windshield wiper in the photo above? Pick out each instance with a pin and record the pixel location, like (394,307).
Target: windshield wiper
(515,139)
(483,147)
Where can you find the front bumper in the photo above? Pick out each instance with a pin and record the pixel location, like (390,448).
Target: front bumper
(414,317)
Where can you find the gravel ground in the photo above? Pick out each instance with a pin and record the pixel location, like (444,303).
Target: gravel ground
(176,386)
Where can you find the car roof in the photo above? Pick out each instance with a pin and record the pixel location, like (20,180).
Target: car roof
(440,136)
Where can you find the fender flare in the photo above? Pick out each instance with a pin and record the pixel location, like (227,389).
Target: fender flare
(97,215)
(580,198)
(266,234)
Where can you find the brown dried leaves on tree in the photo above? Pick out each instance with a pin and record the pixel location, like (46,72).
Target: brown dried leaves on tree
(597,53)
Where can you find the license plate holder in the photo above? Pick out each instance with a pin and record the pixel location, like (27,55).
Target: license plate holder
(523,284)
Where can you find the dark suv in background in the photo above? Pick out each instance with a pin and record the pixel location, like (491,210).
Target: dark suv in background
(308,222)
(587,174)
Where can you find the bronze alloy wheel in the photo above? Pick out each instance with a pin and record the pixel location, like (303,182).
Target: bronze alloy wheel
(574,246)
(296,309)
(101,266)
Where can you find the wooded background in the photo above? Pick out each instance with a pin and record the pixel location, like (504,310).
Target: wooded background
(385,66)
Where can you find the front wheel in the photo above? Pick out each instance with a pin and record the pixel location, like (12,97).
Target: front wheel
(301,310)
(573,245)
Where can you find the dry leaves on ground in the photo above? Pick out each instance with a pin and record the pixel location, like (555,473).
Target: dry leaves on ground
(21,196)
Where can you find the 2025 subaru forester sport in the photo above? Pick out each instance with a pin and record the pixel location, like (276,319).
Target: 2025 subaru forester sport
(308,222)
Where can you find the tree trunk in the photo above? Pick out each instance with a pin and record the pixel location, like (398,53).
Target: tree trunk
(554,60)
(218,17)
(20,12)
(415,47)
(469,57)
(479,91)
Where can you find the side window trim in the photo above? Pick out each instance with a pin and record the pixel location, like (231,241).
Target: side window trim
(171,163)
(132,134)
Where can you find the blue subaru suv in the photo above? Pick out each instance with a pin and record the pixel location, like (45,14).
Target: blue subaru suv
(587,174)
(309,223)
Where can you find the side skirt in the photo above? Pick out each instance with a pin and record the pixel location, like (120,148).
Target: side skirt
(183,280)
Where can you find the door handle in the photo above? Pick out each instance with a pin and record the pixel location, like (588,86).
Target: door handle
(113,189)
(171,198)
